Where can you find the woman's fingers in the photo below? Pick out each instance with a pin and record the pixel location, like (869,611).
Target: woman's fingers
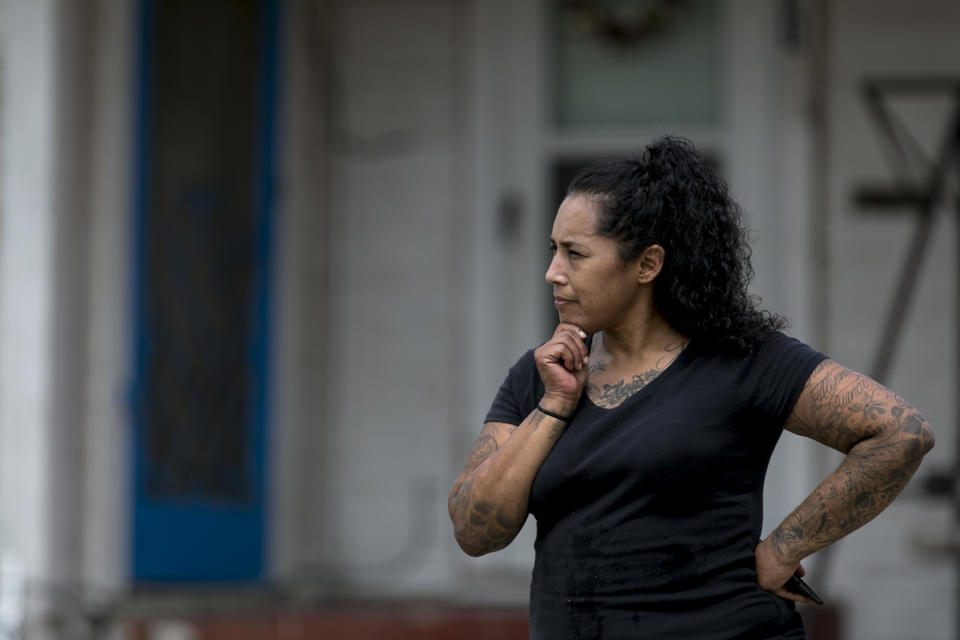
(574,350)
(773,575)
(562,351)
(562,362)
(572,337)
(566,326)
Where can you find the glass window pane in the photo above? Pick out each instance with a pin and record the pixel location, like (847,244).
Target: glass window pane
(622,63)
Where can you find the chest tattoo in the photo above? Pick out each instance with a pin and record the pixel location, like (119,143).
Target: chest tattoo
(611,395)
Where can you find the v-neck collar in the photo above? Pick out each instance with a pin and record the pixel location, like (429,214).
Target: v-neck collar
(678,364)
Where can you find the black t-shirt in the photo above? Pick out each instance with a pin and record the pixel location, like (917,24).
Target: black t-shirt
(648,513)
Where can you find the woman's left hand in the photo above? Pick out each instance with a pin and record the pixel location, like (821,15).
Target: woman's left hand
(773,572)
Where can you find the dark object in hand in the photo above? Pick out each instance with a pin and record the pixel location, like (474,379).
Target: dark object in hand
(797,585)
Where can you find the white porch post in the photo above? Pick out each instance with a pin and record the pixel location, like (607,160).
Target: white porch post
(27,239)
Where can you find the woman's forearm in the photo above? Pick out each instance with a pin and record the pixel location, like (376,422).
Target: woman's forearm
(488,503)
(870,477)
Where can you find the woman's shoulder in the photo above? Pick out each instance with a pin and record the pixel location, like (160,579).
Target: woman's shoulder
(779,344)
(765,344)
(771,354)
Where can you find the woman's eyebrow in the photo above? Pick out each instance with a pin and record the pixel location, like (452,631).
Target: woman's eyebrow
(567,243)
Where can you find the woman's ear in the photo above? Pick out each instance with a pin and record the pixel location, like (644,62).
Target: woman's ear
(650,263)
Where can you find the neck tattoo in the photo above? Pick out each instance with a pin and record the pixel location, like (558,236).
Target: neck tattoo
(609,396)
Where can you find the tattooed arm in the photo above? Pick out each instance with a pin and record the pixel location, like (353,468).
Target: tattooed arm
(884,439)
(488,501)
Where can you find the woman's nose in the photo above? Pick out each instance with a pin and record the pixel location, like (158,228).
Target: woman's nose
(554,274)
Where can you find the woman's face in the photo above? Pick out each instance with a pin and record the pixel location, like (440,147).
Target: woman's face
(592,287)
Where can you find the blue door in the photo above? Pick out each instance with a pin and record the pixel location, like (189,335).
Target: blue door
(204,165)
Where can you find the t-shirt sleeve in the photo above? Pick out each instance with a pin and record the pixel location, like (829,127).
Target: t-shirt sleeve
(778,372)
(519,394)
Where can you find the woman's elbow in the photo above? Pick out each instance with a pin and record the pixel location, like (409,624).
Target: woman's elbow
(475,545)
(927,438)
(472,550)
(457,507)
(916,429)
(480,538)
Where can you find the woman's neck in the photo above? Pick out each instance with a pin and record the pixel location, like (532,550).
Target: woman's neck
(638,341)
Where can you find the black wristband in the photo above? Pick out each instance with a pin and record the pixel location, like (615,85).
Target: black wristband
(553,415)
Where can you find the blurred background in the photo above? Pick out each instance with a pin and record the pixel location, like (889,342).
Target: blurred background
(264,263)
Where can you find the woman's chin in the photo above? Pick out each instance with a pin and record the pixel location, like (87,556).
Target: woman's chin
(570,318)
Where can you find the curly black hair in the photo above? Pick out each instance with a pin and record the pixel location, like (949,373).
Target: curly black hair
(672,197)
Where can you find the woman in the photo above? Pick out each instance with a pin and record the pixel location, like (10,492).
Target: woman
(640,433)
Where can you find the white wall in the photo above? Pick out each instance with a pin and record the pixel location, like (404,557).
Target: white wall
(379,276)
(892,590)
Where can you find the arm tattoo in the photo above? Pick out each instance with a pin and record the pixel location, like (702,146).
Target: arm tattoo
(557,430)
(482,449)
(483,525)
(884,438)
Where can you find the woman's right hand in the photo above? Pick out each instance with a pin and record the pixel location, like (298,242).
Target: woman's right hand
(563,365)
